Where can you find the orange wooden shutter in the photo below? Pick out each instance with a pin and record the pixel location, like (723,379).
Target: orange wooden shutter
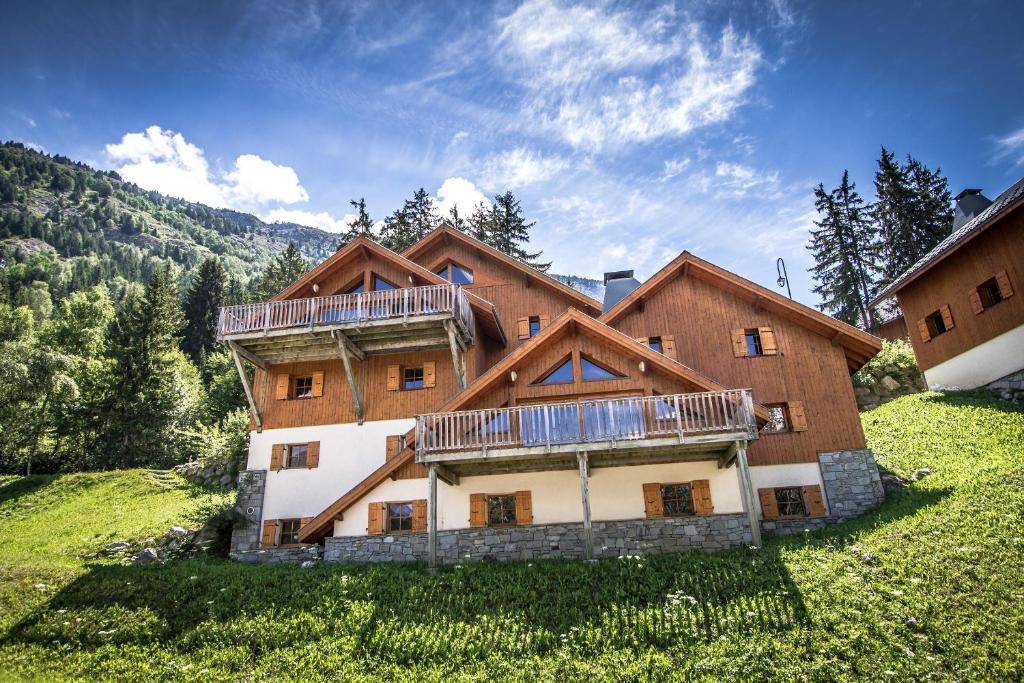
(1003,280)
(313,454)
(769,507)
(393,446)
(668,346)
(922,329)
(318,384)
(768,346)
(947,317)
(975,299)
(276,455)
(304,521)
(281,390)
(523,328)
(429,374)
(701,491)
(375,518)
(477,509)
(544,320)
(646,341)
(524,508)
(269,536)
(813,501)
(393,372)
(419,515)
(797,417)
(653,506)
(739,343)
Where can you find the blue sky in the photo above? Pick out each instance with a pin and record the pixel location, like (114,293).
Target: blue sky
(630,131)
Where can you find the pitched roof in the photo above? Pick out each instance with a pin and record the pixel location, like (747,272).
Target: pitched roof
(1004,203)
(445,231)
(572,319)
(362,245)
(858,345)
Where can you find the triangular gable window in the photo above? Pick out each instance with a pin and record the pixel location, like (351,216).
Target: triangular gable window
(560,374)
(592,372)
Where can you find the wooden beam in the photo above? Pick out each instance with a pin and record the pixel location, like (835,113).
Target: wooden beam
(432,515)
(458,355)
(246,354)
(257,418)
(357,398)
(588,532)
(836,338)
(446,475)
(747,492)
(343,339)
(726,459)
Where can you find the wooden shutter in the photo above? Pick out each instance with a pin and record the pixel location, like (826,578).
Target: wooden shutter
(318,384)
(477,509)
(975,299)
(429,374)
(393,372)
(653,505)
(769,506)
(739,343)
(1003,280)
(922,329)
(947,317)
(768,345)
(281,390)
(646,341)
(304,521)
(544,320)
(376,518)
(313,454)
(419,515)
(523,328)
(813,502)
(524,508)
(269,536)
(668,346)
(277,455)
(394,444)
(797,417)
(700,489)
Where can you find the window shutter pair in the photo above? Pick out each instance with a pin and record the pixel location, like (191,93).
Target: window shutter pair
(393,377)
(281,388)
(797,416)
(478,509)
(429,374)
(268,538)
(279,455)
(524,508)
(813,502)
(394,446)
(700,492)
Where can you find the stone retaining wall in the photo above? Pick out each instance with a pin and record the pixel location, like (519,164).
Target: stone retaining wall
(1011,387)
(611,539)
(245,537)
(852,483)
(297,554)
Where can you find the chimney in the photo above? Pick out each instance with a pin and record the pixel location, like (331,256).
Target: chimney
(969,204)
(618,285)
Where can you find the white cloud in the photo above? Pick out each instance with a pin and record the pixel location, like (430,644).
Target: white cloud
(674,167)
(461,193)
(1012,145)
(256,180)
(321,220)
(734,181)
(518,168)
(596,78)
(30,121)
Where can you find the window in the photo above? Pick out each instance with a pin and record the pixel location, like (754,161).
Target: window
(501,510)
(399,516)
(380,284)
(562,374)
(297,455)
(779,421)
(592,372)
(676,499)
(655,344)
(753,340)
(534,325)
(790,502)
(456,274)
(289,531)
(412,378)
(990,293)
(356,288)
(303,387)
(936,324)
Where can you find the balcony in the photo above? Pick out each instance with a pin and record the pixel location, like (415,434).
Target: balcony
(616,431)
(386,321)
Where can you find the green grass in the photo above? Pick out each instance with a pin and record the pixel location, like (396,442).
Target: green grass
(948,552)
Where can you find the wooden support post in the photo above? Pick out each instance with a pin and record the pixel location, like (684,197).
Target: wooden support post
(747,492)
(458,355)
(432,514)
(247,355)
(588,533)
(357,398)
(257,418)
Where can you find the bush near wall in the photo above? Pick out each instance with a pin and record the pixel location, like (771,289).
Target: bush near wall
(890,374)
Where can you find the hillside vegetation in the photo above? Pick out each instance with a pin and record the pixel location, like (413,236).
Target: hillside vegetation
(928,588)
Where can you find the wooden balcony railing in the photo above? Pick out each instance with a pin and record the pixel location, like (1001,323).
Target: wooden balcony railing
(587,422)
(347,310)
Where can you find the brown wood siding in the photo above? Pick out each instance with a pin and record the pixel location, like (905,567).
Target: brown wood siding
(359,268)
(808,368)
(893,329)
(950,282)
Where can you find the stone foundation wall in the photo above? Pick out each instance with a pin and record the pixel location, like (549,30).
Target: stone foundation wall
(852,483)
(1011,387)
(245,537)
(299,554)
(611,539)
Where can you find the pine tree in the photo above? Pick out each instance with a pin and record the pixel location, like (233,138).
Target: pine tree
(455,220)
(479,223)
(282,271)
(411,223)
(509,231)
(202,305)
(843,247)
(361,226)
(933,205)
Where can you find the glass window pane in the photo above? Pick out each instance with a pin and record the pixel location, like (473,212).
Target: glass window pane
(534,326)
(655,344)
(355,290)
(380,284)
(753,338)
(592,371)
(461,276)
(443,272)
(561,374)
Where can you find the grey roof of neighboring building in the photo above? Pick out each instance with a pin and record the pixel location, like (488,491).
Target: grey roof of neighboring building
(1000,206)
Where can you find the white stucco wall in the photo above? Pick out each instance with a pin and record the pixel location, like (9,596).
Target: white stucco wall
(615,493)
(348,453)
(982,364)
(772,476)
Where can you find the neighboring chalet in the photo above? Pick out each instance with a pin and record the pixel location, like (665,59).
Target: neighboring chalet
(962,301)
(451,402)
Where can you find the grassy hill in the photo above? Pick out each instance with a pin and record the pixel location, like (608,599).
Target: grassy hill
(929,587)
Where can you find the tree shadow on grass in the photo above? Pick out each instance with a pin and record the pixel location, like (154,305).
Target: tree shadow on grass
(975,397)
(23,486)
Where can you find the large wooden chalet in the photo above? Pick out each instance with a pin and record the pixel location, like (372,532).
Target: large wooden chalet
(451,403)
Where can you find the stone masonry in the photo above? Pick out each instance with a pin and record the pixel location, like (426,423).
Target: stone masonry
(1011,387)
(852,483)
(611,539)
(245,537)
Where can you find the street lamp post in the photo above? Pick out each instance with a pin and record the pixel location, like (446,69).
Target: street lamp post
(783,280)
